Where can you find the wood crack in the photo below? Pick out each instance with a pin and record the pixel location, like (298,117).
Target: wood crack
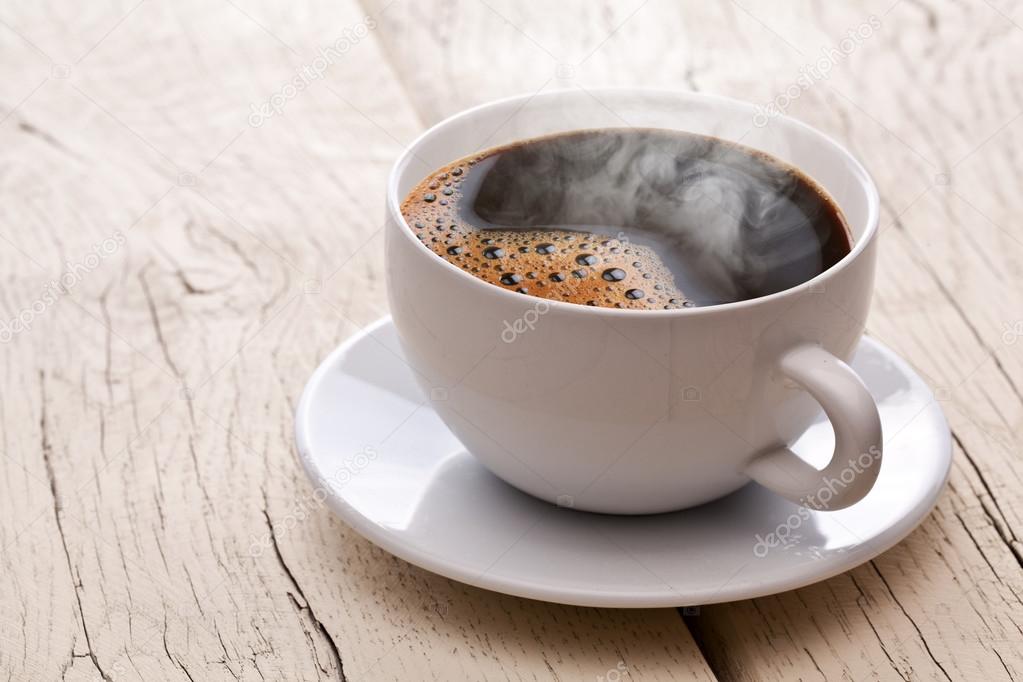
(26,127)
(306,607)
(1003,529)
(155,319)
(171,656)
(877,635)
(707,649)
(815,664)
(76,585)
(395,69)
(919,632)
(1002,661)
(983,554)
(917,249)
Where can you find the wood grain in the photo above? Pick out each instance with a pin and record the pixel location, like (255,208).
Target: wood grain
(154,523)
(930,101)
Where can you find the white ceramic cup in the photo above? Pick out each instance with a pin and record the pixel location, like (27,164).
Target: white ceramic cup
(632,411)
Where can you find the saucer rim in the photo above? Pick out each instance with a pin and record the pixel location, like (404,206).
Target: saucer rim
(395,544)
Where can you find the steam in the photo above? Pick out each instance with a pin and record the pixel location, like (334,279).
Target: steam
(728,222)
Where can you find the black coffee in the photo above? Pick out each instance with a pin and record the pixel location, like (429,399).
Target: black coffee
(629,218)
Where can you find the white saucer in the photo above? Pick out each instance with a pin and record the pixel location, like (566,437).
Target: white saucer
(386,464)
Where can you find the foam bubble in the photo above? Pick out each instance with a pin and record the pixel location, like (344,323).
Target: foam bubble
(581,260)
(536,255)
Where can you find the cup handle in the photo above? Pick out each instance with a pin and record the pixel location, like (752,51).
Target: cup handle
(854,466)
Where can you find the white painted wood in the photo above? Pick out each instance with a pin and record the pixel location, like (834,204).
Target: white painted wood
(153,522)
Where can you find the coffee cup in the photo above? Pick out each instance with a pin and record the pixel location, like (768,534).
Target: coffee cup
(643,411)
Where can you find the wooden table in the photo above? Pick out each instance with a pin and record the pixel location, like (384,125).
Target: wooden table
(208,252)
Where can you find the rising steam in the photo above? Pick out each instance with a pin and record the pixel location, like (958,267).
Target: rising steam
(730,223)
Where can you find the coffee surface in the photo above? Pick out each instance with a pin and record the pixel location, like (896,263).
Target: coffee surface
(629,218)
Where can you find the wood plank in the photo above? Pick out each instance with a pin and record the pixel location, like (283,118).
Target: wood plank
(927,102)
(154,521)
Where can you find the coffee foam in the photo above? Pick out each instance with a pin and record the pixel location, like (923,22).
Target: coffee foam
(694,220)
(583,267)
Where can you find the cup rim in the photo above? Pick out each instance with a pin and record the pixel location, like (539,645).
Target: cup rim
(858,170)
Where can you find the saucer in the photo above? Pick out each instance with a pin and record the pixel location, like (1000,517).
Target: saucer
(381,458)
